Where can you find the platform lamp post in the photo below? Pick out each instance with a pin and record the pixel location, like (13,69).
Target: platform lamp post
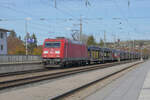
(26,31)
(141,55)
(141,47)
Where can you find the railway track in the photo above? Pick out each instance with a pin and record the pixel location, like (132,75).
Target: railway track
(22,72)
(17,80)
(37,71)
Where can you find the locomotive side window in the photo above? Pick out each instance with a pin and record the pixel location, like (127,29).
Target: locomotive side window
(52,44)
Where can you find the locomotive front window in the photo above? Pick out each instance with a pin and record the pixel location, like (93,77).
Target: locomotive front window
(52,44)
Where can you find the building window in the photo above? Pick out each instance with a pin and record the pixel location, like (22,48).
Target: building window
(1,35)
(2,47)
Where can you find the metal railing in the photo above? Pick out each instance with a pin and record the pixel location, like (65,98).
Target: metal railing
(19,58)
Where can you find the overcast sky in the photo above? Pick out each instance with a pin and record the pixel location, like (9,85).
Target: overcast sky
(115,17)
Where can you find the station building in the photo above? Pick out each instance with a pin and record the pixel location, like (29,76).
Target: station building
(3,41)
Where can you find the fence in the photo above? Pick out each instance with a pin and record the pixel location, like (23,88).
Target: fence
(18,58)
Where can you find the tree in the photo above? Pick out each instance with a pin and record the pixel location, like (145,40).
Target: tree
(27,36)
(20,50)
(15,45)
(146,51)
(33,44)
(91,40)
(35,39)
(37,50)
(19,37)
(101,43)
(13,34)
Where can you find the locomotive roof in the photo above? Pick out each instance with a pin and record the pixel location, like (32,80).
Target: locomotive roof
(69,40)
(74,42)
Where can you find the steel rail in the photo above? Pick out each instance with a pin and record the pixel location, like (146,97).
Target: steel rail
(21,72)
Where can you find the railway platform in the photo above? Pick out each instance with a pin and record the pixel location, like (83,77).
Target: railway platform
(12,67)
(135,85)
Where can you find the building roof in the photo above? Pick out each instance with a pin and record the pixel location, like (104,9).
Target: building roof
(4,30)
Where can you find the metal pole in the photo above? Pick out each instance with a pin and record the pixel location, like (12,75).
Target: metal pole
(141,54)
(55,4)
(114,37)
(129,49)
(80,28)
(26,36)
(104,39)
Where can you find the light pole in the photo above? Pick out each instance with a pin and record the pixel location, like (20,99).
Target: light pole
(26,31)
(141,52)
(141,47)
(105,39)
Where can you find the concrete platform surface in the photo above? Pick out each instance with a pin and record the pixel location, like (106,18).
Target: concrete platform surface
(127,87)
(145,91)
(57,87)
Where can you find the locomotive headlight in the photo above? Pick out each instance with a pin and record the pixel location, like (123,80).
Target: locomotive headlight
(45,52)
(57,52)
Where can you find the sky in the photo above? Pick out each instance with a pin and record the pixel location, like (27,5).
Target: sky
(114,17)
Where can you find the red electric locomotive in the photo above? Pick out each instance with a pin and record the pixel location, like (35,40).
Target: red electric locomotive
(62,51)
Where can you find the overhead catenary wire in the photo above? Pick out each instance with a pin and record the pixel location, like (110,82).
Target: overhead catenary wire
(17,10)
(126,19)
(72,17)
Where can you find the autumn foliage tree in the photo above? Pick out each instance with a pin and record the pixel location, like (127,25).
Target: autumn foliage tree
(91,41)
(15,45)
(37,50)
(101,43)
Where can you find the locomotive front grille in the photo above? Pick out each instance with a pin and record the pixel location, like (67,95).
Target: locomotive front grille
(52,61)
